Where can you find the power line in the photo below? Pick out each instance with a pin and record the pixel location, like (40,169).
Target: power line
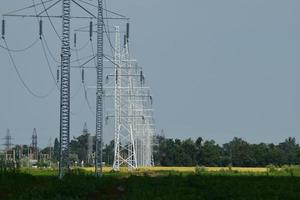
(31,6)
(48,64)
(22,49)
(30,91)
(50,53)
(46,11)
(83,84)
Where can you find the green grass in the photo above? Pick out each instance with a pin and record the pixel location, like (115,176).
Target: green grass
(44,185)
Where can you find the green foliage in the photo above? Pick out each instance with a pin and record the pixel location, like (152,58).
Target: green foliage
(200,170)
(9,166)
(272,169)
(237,152)
(77,186)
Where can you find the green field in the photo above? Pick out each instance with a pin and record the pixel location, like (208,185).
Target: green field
(43,185)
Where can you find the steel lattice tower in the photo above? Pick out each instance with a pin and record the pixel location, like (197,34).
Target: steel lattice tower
(34,145)
(124,152)
(133,114)
(99,92)
(65,89)
(7,144)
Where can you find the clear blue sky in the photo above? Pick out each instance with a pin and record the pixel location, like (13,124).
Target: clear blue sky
(217,69)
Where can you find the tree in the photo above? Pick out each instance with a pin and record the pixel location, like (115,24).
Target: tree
(291,151)
(108,153)
(211,154)
(240,153)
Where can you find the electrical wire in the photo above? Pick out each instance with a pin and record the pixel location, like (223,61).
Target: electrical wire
(108,31)
(108,11)
(46,11)
(82,47)
(73,61)
(84,86)
(30,91)
(31,6)
(50,52)
(48,64)
(23,49)
(93,52)
(45,53)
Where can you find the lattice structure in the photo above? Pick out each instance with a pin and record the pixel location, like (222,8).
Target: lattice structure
(99,93)
(65,89)
(133,116)
(34,147)
(7,141)
(132,105)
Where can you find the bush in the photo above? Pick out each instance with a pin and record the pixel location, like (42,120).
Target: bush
(200,170)
(272,169)
(290,169)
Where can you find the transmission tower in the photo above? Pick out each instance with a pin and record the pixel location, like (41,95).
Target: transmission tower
(133,113)
(34,147)
(99,93)
(133,116)
(7,141)
(65,89)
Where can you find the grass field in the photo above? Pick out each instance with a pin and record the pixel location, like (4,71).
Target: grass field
(152,183)
(186,169)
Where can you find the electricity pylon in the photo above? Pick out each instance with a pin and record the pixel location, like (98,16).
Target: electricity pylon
(133,114)
(7,144)
(65,89)
(34,146)
(124,153)
(99,92)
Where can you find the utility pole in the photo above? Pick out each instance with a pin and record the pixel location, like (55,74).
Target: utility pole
(50,152)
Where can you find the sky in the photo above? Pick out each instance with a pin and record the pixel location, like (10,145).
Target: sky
(217,69)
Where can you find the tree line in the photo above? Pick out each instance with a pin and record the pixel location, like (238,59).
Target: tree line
(238,152)
(188,152)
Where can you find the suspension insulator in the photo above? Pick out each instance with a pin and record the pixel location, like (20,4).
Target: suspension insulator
(107,79)
(57,76)
(41,29)
(141,77)
(151,99)
(91,30)
(3,29)
(75,39)
(127,31)
(125,41)
(82,75)
(116,76)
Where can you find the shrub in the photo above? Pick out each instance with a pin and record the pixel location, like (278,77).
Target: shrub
(272,169)
(200,170)
(289,169)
